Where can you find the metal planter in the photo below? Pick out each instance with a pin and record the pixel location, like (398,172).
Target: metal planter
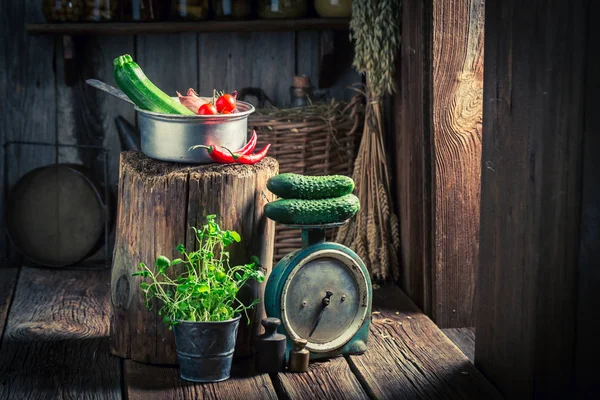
(205,349)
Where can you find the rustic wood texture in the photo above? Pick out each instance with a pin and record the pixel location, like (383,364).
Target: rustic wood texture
(29,101)
(147,382)
(587,352)
(86,114)
(332,379)
(170,61)
(7,288)
(408,356)
(256,59)
(56,339)
(56,346)
(413,160)
(439,155)
(158,203)
(456,117)
(133,28)
(464,339)
(531,196)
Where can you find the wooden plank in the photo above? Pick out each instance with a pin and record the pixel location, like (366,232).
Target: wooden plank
(332,379)
(531,196)
(255,59)
(408,356)
(413,156)
(7,287)
(588,304)
(28,106)
(170,61)
(464,339)
(439,155)
(86,115)
(116,28)
(147,382)
(56,338)
(456,116)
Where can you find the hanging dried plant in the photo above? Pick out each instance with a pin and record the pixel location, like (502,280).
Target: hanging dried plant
(374,234)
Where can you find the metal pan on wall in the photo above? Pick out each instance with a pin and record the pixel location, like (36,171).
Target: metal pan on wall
(56,215)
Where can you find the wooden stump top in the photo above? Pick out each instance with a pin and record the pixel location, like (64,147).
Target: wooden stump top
(143,165)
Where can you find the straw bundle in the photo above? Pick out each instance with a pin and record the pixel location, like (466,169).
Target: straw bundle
(374,233)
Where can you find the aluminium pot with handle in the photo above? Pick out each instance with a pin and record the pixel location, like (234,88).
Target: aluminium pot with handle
(168,137)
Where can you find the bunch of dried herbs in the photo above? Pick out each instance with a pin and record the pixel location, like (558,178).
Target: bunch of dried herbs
(374,234)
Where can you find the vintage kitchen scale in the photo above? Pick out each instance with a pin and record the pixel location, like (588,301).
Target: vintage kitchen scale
(321,293)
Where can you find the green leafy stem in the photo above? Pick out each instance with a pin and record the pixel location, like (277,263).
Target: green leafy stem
(206,290)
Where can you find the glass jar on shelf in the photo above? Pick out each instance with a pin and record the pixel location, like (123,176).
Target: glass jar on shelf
(140,10)
(63,10)
(232,9)
(334,8)
(189,10)
(281,9)
(100,10)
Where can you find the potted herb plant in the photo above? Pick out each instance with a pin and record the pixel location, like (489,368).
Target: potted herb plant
(200,305)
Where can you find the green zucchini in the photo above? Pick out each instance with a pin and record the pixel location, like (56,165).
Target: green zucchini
(295,186)
(310,212)
(131,79)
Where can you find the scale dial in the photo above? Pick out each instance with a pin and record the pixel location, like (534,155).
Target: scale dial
(325,300)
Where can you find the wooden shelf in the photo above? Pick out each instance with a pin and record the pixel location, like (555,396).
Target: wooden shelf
(134,28)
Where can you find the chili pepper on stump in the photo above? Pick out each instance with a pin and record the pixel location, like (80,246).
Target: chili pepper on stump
(216,153)
(249,147)
(250,158)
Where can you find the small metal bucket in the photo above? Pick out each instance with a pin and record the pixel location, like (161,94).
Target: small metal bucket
(168,137)
(205,349)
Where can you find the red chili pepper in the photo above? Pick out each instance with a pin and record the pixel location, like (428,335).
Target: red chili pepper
(225,157)
(249,147)
(216,153)
(250,158)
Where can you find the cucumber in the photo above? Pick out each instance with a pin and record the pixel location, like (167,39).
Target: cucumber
(131,79)
(310,212)
(295,186)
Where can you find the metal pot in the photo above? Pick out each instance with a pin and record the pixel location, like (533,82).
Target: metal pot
(205,349)
(168,137)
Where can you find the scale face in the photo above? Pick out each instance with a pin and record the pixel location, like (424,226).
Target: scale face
(321,293)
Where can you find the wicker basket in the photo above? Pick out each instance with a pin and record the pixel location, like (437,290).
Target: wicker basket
(313,140)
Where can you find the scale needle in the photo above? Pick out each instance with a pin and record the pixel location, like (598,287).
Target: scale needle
(324,303)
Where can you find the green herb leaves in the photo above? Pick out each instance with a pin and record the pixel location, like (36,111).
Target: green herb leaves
(201,285)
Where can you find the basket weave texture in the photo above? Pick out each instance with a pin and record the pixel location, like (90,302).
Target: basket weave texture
(318,139)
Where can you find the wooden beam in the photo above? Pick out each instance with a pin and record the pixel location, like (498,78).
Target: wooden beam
(439,155)
(464,339)
(531,196)
(137,28)
(587,352)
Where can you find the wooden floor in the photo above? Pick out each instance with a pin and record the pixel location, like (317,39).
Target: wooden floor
(55,344)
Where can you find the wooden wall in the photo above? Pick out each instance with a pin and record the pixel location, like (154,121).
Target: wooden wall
(539,255)
(37,104)
(438,147)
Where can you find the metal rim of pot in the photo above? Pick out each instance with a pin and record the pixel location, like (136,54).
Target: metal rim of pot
(244,110)
(237,317)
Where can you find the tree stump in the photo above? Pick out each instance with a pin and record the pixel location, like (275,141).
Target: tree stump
(159,202)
